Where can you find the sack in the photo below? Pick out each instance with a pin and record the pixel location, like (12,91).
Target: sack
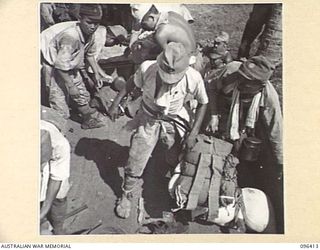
(207,176)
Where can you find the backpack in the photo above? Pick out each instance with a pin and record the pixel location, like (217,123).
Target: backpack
(206,177)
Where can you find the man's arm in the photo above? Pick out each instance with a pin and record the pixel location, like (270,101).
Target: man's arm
(52,191)
(98,72)
(200,113)
(113,111)
(135,80)
(213,123)
(272,119)
(273,124)
(199,92)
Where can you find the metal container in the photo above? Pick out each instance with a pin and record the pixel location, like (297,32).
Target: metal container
(250,149)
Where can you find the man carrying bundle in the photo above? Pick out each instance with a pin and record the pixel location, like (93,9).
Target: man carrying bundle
(245,110)
(165,84)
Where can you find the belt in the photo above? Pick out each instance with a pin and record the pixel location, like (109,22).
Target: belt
(168,118)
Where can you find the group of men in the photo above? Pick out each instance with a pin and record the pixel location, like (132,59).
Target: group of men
(233,99)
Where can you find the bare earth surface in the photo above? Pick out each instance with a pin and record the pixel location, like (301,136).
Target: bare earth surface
(98,155)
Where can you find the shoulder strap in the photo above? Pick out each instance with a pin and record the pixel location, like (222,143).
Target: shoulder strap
(158,86)
(214,191)
(218,161)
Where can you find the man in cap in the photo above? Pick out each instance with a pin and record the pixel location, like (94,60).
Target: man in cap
(221,48)
(244,103)
(165,84)
(55,171)
(219,56)
(65,48)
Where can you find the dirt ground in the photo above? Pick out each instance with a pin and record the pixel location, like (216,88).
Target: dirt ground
(97,161)
(99,155)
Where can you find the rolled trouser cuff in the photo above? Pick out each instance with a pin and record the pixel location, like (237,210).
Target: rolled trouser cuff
(130,183)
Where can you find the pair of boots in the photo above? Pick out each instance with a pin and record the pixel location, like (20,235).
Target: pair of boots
(91,117)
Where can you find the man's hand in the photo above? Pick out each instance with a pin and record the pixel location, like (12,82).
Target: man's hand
(189,142)
(102,77)
(98,80)
(113,113)
(106,77)
(213,124)
(74,92)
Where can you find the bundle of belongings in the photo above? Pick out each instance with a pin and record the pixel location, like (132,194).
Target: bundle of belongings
(207,177)
(205,182)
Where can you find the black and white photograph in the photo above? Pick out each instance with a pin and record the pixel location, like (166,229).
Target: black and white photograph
(160,118)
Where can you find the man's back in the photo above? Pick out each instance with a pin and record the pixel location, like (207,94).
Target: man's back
(172,27)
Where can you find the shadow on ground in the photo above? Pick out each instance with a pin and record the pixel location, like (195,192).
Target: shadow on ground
(108,156)
(155,186)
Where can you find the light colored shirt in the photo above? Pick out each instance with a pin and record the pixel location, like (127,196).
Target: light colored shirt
(63,45)
(170,98)
(58,168)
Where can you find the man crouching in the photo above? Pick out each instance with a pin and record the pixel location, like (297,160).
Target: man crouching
(55,172)
(165,85)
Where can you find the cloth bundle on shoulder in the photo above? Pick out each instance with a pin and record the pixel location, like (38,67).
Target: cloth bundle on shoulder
(207,177)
